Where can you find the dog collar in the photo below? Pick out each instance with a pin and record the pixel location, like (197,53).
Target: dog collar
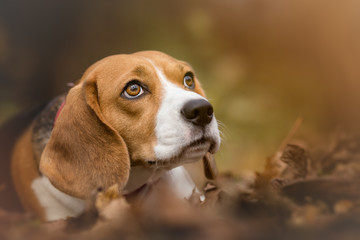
(59,111)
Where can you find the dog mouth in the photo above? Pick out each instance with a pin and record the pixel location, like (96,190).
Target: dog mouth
(191,152)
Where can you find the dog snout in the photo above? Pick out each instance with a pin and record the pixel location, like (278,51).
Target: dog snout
(200,112)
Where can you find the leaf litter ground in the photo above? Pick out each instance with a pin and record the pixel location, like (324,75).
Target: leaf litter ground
(301,194)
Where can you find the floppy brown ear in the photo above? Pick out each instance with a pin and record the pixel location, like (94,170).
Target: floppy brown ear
(210,168)
(84,152)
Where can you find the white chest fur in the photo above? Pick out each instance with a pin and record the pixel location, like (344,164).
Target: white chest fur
(57,205)
(181,182)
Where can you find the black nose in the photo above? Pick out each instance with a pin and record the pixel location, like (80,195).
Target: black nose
(200,112)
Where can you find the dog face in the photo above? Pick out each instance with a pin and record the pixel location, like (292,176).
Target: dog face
(145,101)
(142,109)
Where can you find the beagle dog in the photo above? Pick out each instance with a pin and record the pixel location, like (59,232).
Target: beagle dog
(130,120)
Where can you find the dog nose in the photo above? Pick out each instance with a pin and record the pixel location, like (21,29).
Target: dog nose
(200,112)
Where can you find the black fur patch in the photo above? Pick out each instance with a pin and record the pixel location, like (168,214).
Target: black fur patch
(44,124)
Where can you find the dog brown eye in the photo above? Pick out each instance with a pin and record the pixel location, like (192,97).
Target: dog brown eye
(189,81)
(133,90)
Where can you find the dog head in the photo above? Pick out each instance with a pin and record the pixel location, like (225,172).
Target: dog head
(143,109)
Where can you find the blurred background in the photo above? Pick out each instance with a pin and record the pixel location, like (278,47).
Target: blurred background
(262,63)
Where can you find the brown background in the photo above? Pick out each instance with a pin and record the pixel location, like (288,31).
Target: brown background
(262,63)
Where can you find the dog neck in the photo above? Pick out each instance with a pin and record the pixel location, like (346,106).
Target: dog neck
(179,180)
(59,205)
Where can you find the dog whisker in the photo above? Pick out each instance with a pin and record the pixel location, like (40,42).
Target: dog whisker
(223,131)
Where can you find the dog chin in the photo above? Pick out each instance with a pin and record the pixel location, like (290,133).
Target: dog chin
(192,152)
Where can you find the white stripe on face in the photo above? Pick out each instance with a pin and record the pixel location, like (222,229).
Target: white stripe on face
(174,133)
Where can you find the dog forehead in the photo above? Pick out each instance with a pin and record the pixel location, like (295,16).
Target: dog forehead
(138,62)
(170,67)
